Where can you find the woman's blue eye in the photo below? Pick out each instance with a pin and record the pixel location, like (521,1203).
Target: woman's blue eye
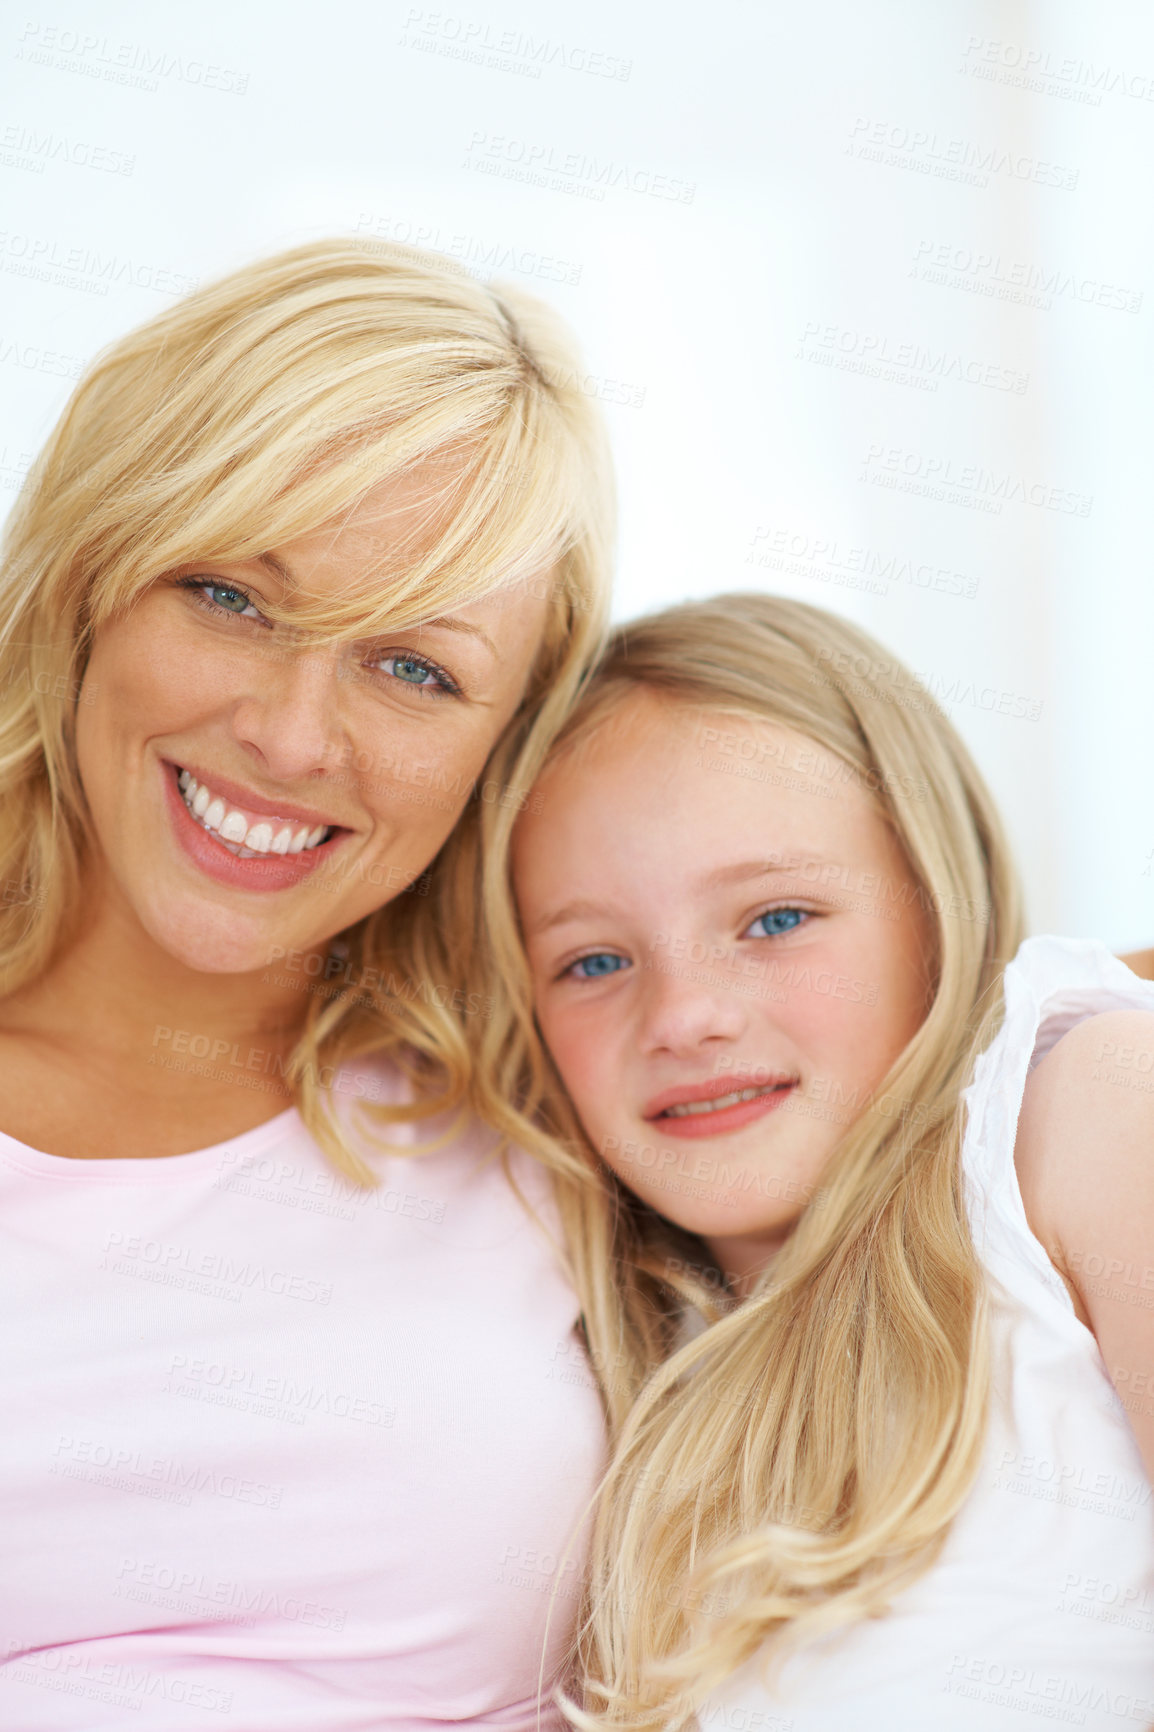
(415,672)
(776,921)
(232,600)
(597,966)
(219,597)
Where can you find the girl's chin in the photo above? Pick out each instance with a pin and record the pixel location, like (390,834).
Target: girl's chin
(725,1221)
(718,1193)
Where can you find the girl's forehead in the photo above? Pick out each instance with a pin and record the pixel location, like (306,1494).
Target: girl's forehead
(679,785)
(644,725)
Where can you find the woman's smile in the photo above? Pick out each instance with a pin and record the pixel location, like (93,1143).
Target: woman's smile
(240,845)
(240,828)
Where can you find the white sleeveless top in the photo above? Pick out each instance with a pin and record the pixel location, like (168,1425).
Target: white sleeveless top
(1041,1605)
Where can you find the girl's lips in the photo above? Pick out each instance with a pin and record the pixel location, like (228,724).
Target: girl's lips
(720,1120)
(264,872)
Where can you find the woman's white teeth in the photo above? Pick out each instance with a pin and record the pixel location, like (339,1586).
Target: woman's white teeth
(259,838)
(233,827)
(715,1106)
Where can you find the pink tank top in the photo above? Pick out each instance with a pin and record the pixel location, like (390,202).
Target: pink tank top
(276,1451)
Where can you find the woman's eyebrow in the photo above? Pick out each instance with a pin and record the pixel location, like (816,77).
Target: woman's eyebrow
(282,571)
(460,625)
(275,565)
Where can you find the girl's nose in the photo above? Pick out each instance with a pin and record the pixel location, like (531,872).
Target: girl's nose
(688,1006)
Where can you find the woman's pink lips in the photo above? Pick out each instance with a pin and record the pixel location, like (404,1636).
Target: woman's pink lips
(723,1119)
(266,872)
(253,804)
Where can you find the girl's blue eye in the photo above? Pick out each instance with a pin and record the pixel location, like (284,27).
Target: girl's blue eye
(776,921)
(597,966)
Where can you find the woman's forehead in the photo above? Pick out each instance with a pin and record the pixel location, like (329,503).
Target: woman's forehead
(398,518)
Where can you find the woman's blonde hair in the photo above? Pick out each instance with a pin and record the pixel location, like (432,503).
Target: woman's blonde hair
(256,410)
(798,1462)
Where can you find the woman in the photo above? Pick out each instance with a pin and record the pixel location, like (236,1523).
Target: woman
(293,600)
(766,908)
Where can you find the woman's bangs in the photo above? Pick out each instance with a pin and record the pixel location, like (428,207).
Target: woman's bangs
(491,519)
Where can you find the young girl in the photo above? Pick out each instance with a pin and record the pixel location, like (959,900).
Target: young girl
(766,908)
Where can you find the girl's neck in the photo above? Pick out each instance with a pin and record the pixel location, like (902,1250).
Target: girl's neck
(745,1259)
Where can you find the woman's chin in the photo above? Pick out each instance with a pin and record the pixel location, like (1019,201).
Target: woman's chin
(203,935)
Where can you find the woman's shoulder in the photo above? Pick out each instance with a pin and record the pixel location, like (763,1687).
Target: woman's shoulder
(449,1141)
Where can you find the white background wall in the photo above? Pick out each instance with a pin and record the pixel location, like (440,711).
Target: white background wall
(867,290)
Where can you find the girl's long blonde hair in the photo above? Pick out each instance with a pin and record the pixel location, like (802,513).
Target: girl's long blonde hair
(258,409)
(801,1460)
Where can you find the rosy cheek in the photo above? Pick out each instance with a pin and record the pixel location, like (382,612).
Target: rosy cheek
(582,1072)
(579,1068)
(559,1042)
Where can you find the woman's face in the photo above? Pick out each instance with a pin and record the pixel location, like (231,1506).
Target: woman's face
(252,794)
(724,966)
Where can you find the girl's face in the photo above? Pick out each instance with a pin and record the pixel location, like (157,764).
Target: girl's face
(728,953)
(252,795)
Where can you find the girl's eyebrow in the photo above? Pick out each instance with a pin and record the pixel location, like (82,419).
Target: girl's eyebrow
(723,876)
(776,866)
(559,916)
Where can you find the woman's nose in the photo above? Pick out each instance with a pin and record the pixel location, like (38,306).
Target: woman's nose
(290,716)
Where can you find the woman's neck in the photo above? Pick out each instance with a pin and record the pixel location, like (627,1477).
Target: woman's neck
(119,1049)
(114,984)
